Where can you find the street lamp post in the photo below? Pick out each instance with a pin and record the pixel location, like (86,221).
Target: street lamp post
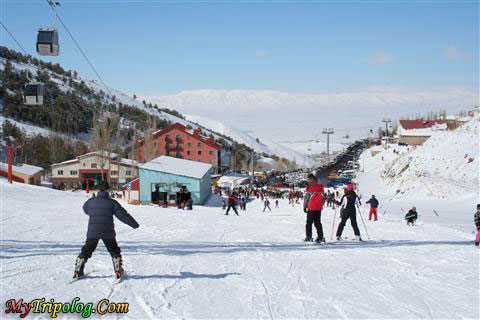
(328,132)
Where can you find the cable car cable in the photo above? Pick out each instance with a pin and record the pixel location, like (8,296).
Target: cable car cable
(14,39)
(52,6)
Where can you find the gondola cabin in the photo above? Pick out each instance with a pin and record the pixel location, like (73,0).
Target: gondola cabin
(47,42)
(33,94)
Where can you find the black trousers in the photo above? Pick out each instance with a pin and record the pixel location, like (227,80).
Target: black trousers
(267,206)
(234,209)
(91,245)
(314,217)
(352,215)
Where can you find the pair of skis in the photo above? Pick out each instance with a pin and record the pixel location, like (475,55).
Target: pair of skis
(116,280)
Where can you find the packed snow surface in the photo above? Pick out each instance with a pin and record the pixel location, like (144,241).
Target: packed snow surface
(205,265)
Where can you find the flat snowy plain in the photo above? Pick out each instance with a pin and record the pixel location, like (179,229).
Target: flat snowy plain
(205,265)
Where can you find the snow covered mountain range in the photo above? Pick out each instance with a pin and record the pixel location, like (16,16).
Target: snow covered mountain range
(277,115)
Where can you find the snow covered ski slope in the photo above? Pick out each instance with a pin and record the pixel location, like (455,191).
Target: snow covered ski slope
(205,265)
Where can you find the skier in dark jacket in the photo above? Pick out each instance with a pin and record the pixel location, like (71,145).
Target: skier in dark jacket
(266,204)
(373,207)
(101,210)
(349,212)
(411,216)
(232,202)
(476,219)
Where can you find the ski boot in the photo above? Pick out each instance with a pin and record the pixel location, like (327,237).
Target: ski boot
(339,238)
(477,243)
(79,266)
(118,266)
(358,238)
(318,240)
(308,239)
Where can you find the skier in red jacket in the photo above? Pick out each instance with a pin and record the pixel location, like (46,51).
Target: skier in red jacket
(312,206)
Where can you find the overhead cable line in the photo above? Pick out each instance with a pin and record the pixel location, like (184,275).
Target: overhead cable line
(53,5)
(14,39)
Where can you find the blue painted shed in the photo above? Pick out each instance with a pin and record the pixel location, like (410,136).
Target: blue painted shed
(170,174)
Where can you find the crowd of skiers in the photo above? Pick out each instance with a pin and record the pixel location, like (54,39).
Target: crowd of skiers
(102,208)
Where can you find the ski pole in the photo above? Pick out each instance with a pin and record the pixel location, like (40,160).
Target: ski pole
(364,225)
(436,213)
(333,226)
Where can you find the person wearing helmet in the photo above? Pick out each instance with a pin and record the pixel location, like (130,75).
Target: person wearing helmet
(312,206)
(349,212)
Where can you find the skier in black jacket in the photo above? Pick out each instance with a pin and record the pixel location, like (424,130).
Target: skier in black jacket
(373,208)
(411,216)
(349,212)
(101,210)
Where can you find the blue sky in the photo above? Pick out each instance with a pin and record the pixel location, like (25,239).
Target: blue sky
(154,47)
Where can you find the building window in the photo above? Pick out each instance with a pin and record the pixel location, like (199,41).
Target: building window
(189,152)
(199,160)
(114,173)
(73,172)
(189,144)
(190,159)
(210,152)
(93,165)
(128,173)
(177,136)
(199,144)
(60,172)
(199,152)
(84,164)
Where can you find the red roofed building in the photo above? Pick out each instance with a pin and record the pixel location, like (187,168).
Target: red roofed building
(179,142)
(416,132)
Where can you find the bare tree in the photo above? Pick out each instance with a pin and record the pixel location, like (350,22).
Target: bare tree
(149,141)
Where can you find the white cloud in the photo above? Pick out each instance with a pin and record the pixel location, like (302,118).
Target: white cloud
(454,53)
(262,53)
(381,57)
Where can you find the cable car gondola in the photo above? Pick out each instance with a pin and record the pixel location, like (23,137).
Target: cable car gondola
(47,42)
(33,94)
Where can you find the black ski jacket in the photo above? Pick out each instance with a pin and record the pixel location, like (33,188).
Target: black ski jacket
(101,210)
(411,215)
(373,203)
(476,218)
(351,200)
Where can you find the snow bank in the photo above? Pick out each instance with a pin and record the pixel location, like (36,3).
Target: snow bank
(445,166)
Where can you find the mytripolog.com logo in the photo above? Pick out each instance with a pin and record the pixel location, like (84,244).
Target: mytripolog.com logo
(24,308)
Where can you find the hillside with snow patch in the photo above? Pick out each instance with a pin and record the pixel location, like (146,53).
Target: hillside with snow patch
(263,146)
(117,97)
(445,166)
(313,147)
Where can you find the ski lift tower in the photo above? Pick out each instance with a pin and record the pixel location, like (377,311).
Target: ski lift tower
(328,132)
(387,121)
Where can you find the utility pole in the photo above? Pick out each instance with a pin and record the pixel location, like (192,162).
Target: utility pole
(387,121)
(328,132)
